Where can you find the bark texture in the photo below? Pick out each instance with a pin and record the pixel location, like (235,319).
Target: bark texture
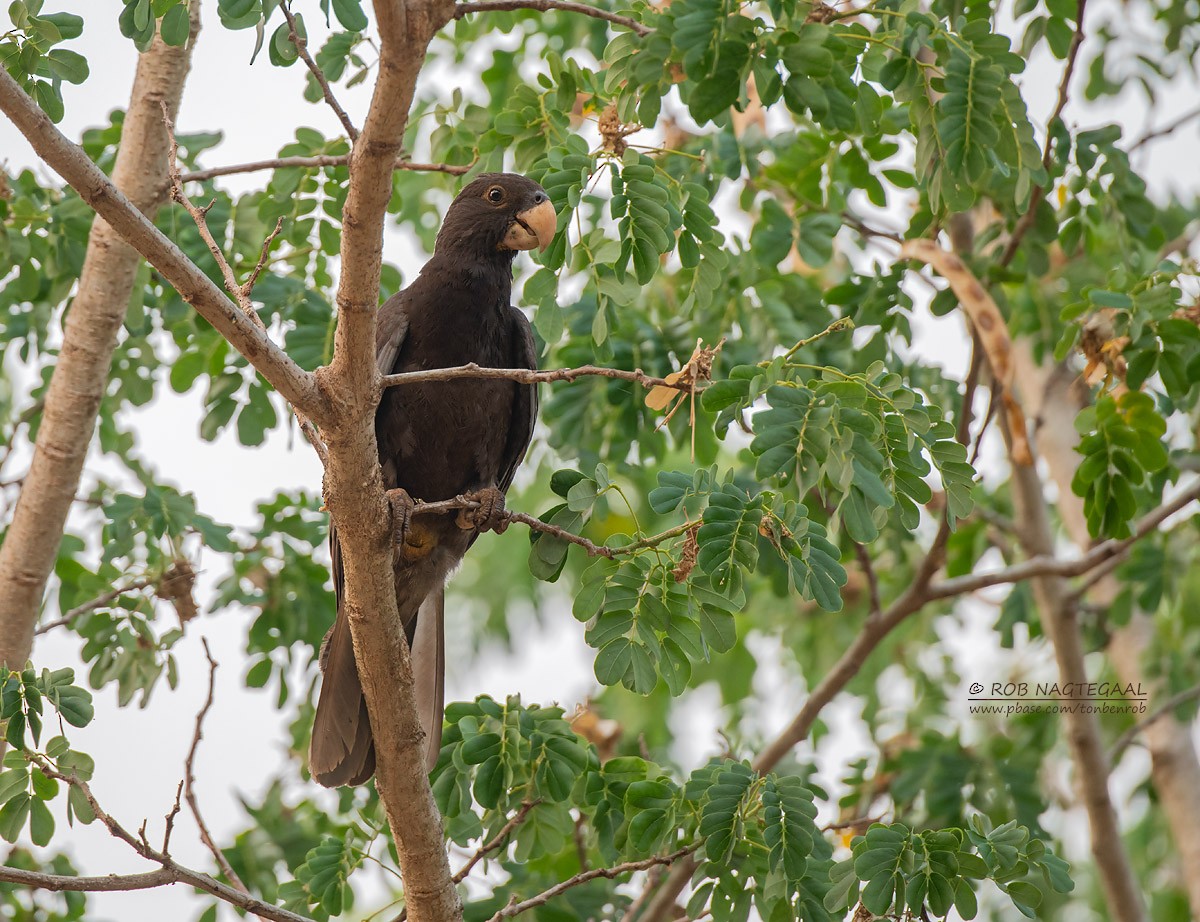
(353,484)
(1059,615)
(90,336)
(1054,400)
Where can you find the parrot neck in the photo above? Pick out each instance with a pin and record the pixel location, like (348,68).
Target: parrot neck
(487,280)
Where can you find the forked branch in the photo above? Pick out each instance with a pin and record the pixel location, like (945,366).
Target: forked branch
(314,68)
(241,292)
(169,872)
(95,188)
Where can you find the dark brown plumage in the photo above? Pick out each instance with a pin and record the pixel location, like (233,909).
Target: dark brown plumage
(438,440)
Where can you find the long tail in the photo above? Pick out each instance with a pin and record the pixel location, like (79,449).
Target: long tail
(343,749)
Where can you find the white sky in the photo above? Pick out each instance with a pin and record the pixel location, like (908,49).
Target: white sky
(139,753)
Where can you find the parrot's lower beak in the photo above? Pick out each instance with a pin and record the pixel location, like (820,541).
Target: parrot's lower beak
(533,227)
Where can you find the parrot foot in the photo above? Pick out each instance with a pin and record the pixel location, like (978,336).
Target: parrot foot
(489,515)
(402,515)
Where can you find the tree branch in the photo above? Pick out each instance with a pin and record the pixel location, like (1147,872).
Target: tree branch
(322,160)
(170,872)
(72,164)
(570,6)
(189,780)
(106,884)
(515,908)
(528,376)
(315,69)
(1039,192)
(1060,623)
(1165,708)
(1165,130)
(240,292)
(353,486)
(98,602)
(1048,565)
(497,841)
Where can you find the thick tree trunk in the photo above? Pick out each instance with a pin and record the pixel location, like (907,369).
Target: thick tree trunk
(90,336)
(1054,399)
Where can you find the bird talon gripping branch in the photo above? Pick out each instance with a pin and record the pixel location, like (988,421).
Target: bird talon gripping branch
(402,506)
(489,515)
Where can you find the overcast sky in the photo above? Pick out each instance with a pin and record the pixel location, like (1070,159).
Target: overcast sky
(139,753)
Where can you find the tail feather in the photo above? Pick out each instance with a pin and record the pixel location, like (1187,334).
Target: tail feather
(343,749)
(429,671)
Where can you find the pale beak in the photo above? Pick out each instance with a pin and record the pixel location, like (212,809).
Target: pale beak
(534,227)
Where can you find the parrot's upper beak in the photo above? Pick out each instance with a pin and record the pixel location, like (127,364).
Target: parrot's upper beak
(533,227)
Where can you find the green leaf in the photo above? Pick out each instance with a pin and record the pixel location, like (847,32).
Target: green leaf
(176,25)
(67,65)
(614,661)
(13,816)
(49,98)
(728,539)
(350,14)
(41,823)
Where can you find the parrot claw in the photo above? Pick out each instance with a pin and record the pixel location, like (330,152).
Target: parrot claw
(489,515)
(402,514)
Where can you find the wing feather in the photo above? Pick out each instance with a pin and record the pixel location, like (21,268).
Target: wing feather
(525,407)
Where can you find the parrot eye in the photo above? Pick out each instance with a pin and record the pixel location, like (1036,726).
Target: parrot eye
(495,195)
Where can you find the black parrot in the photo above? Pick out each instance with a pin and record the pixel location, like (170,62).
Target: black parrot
(438,440)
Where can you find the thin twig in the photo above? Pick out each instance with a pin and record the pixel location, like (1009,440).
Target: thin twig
(1167,706)
(515,908)
(189,779)
(653,878)
(1039,192)
(497,840)
(1054,566)
(529,376)
(170,872)
(315,69)
(837,326)
(263,260)
(241,293)
(316,162)
(858,822)
(569,6)
(864,561)
(866,230)
(580,842)
(98,602)
(593,549)
(970,385)
(169,822)
(1165,130)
